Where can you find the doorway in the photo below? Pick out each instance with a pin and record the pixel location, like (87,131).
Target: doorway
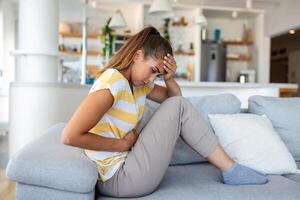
(285,59)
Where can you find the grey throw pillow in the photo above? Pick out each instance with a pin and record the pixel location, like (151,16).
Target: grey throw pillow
(210,104)
(284,114)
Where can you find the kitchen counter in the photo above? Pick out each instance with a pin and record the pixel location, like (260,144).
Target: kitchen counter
(185,84)
(232,84)
(242,90)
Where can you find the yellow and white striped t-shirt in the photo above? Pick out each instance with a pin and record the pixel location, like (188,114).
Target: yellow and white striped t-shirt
(122,117)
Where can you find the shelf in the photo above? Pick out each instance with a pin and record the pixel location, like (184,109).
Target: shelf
(79,35)
(180,24)
(183,53)
(93,69)
(229,42)
(75,53)
(242,58)
(124,36)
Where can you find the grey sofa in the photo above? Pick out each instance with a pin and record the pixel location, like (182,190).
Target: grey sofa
(47,169)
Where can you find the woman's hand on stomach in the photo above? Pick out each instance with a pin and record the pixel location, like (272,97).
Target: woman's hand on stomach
(130,139)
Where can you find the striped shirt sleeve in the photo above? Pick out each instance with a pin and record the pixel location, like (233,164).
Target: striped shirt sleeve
(110,80)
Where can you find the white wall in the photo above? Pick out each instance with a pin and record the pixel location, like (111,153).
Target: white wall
(281,17)
(7,62)
(8,45)
(1,38)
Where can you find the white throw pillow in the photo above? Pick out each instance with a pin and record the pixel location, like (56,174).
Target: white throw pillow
(251,140)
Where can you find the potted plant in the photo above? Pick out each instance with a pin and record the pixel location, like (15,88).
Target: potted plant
(108,37)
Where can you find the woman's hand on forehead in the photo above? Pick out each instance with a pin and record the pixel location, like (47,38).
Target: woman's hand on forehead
(169,66)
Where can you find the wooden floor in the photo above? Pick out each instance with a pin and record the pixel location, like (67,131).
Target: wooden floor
(7,188)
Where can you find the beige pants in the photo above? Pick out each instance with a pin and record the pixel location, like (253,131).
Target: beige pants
(149,158)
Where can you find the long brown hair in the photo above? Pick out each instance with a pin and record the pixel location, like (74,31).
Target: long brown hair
(148,40)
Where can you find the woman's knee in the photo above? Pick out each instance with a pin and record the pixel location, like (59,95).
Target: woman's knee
(180,98)
(174,99)
(172,103)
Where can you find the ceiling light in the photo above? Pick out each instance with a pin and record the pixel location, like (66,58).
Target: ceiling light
(248,4)
(117,21)
(292,31)
(94,4)
(161,8)
(234,14)
(201,20)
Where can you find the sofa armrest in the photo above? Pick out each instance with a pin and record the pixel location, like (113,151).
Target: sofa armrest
(45,161)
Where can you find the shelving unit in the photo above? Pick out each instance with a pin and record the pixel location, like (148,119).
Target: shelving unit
(79,35)
(71,55)
(245,54)
(77,53)
(228,42)
(255,54)
(93,69)
(241,57)
(76,38)
(184,53)
(244,58)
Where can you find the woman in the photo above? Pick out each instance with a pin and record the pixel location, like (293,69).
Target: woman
(104,125)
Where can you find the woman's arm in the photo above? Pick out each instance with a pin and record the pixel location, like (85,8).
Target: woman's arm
(161,93)
(97,143)
(87,115)
(173,88)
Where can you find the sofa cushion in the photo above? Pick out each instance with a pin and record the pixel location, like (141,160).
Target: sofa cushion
(210,104)
(251,140)
(294,177)
(284,114)
(203,181)
(33,192)
(45,161)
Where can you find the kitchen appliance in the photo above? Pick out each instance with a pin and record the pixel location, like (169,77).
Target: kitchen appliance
(243,78)
(204,34)
(249,75)
(213,61)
